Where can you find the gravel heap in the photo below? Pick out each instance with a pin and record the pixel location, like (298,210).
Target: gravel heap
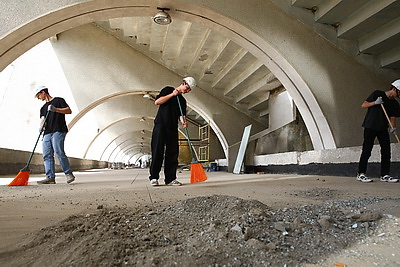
(203,231)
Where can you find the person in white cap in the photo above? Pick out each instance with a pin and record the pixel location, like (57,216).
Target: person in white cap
(55,131)
(376,126)
(164,140)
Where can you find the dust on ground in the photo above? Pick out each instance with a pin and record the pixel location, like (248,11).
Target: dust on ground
(216,230)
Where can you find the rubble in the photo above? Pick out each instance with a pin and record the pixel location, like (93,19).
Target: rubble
(215,230)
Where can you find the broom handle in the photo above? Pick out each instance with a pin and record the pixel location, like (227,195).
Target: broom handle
(37,140)
(187,132)
(391,127)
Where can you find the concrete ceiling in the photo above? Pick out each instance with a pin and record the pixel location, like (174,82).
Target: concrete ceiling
(220,66)
(229,72)
(373,26)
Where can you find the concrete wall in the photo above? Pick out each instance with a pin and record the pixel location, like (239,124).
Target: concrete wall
(336,162)
(292,137)
(12,161)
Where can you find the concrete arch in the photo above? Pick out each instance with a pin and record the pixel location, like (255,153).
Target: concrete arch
(135,154)
(104,129)
(105,149)
(25,37)
(126,151)
(317,125)
(120,145)
(104,99)
(31,33)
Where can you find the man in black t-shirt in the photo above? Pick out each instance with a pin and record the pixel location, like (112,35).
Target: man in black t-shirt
(164,140)
(55,130)
(376,126)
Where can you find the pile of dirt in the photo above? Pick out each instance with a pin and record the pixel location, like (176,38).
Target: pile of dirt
(203,231)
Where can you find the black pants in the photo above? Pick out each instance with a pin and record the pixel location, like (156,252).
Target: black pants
(164,147)
(384,141)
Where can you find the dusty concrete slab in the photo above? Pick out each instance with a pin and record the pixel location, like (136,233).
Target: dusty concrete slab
(29,208)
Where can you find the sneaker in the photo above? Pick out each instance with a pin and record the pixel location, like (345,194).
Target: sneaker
(175,182)
(389,179)
(361,177)
(70,178)
(154,182)
(48,180)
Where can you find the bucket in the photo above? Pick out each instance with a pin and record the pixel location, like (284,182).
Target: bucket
(213,167)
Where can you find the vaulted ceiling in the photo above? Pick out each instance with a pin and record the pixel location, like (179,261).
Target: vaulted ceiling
(372,26)
(231,73)
(221,67)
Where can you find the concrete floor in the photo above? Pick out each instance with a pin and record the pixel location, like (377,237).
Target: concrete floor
(25,209)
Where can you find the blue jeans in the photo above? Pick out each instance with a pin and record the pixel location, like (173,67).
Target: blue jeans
(54,143)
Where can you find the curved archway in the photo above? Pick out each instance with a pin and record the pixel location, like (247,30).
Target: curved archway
(108,145)
(32,33)
(120,145)
(127,151)
(102,131)
(104,99)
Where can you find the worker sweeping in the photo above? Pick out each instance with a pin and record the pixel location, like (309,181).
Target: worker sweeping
(164,141)
(381,115)
(55,131)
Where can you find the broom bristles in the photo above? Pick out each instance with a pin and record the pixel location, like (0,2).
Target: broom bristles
(197,173)
(21,179)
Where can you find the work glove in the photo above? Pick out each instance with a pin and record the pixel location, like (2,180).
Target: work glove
(392,130)
(379,101)
(51,108)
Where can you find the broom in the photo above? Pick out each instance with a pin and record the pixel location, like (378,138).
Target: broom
(23,176)
(197,173)
(391,127)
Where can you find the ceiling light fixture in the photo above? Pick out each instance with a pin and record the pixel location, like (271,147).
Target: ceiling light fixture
(162,17)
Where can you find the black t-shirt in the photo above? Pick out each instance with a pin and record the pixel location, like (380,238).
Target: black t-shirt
(375,118)
(55,121)
(168,113)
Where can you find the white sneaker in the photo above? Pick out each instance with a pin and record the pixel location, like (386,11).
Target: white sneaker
(361,177)
(154,182)
(175,182)
(389,179)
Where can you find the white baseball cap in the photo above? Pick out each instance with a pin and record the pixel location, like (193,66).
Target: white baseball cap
(396,84)
(190,81)
(39,88)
